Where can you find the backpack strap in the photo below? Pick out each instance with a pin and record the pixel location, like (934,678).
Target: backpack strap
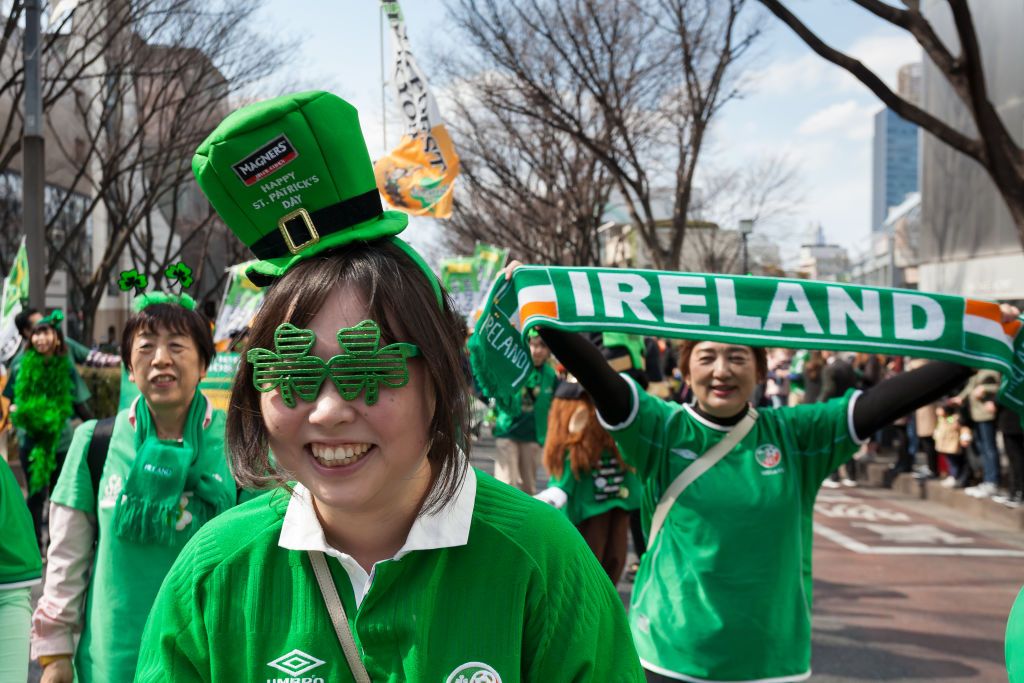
(697,468)
(97,454)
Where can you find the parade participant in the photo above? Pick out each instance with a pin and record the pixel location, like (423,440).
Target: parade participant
(20,569)
(724,591)
(134,489)
(519,429)
(589,481)
(45,390)
(388,558)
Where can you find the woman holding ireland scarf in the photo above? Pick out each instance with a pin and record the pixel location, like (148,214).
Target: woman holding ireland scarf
(164,476)
(724,590)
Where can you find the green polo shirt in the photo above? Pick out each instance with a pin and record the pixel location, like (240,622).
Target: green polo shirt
(20,563)
(724,593)
(513,594)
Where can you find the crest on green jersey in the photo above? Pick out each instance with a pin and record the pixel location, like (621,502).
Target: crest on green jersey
(768,455)
(474,672)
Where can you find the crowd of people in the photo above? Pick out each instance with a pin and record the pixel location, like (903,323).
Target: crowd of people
(330,521)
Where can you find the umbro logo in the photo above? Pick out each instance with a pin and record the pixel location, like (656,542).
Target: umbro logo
(295,663)
(685,453)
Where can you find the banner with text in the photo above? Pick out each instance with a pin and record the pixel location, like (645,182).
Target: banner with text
(754,311)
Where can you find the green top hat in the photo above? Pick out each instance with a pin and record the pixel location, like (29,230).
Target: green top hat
(292,178)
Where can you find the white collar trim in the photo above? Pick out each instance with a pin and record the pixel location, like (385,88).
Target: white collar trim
(207,418)
(446,528)
(706,422)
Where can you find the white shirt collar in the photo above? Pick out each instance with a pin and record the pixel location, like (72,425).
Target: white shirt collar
(446,528)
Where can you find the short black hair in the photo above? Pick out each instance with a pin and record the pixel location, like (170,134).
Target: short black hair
(173,318)
(21,321)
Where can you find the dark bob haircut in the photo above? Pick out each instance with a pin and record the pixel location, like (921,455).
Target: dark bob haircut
(173,318)
(401,300)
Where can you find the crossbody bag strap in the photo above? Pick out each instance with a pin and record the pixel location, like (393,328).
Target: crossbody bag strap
(699,467)
(338,618)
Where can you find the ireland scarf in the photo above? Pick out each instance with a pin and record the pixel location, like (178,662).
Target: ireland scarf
(754,311)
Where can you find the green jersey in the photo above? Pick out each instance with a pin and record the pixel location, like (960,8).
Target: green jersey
(1015,641)
(531,422)
(125,575)
(517,597)
(609,485)
(20,563)
(724,593)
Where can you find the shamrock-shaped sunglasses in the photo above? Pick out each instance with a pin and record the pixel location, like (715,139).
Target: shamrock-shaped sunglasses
(362,366)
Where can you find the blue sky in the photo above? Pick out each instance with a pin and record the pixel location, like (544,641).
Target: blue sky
(795,103)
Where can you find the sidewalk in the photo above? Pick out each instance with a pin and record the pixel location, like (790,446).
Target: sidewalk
(875,474)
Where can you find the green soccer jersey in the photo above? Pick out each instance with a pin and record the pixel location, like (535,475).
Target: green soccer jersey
(1015,641)
(20,563)
(125,575)
(609,485)
(724,592)
(521,599)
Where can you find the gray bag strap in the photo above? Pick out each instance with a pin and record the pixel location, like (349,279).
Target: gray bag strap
(699,467)
(338,618)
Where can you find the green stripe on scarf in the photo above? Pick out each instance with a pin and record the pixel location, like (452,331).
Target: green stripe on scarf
(754,311)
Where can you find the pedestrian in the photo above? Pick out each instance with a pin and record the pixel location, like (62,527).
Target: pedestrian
(589,481)
(979,397)
(45,390)
(519,429)
(388,558)
(948,436)
(1010,427)
(837,378)
(132,492)
(724,591)
(20,569)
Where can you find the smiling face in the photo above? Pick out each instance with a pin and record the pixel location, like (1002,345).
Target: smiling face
(723,377)
(353,457)
(166,367)
(44,340)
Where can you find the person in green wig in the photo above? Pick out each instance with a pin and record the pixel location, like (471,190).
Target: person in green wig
(380,555)
(45,391)
(117,524)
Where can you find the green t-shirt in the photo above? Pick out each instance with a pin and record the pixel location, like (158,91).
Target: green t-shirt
(20,563)
(79,394)
(524,598)
(125,576)
(609,485)
(724,593)
(531,422)
(1015,641)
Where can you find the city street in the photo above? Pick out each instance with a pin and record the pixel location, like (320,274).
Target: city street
(904,590)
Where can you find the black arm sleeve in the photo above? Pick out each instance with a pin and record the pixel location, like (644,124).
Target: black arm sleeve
(611,393)
(897,396)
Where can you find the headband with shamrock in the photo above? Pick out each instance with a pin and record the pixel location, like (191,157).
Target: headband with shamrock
(54,319)
(180,272)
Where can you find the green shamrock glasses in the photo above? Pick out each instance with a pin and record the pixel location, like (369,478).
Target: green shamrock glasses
(362,365)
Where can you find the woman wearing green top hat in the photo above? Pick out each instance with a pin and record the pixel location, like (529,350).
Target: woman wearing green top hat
(387,558)
(163,476)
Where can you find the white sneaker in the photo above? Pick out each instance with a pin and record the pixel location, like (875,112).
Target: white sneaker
(829,484)
(983,490)
(949,482)
(845,481)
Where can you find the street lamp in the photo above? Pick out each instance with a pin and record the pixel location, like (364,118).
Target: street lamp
(746,227)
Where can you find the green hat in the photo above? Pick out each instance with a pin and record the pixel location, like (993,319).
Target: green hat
(292,178)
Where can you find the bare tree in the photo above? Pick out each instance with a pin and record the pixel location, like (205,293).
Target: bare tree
(139,113)
(990,144)
(635,82)
(524,185)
